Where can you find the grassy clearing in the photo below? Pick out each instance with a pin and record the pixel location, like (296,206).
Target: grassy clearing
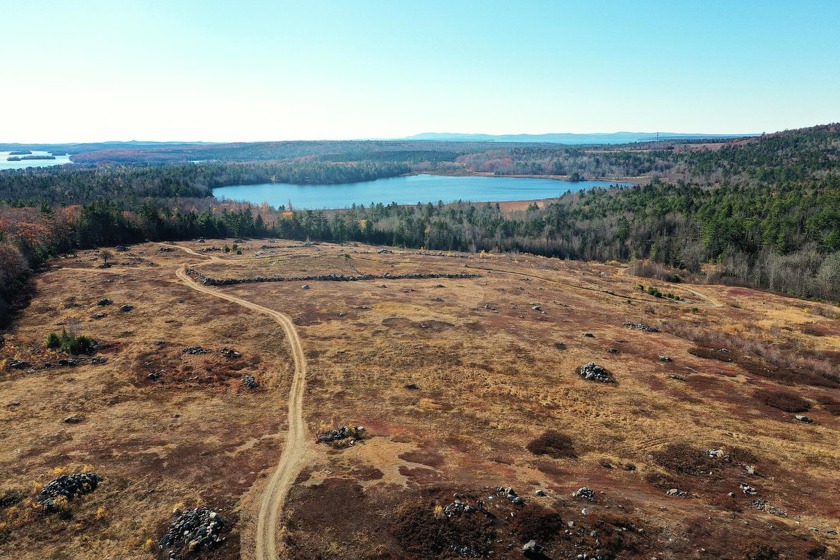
(494,403)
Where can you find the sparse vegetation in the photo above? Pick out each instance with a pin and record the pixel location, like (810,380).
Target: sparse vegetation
(482,381)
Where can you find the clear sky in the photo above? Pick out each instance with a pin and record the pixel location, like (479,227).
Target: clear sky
(249,70)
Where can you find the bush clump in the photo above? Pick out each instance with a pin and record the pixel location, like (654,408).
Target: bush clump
(66,342)
(537,523)
(787,402)
(421,532)
(685,459)
(554,444)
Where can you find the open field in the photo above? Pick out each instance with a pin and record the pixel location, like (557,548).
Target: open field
(463,385)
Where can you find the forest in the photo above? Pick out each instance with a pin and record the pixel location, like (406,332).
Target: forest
(761,212)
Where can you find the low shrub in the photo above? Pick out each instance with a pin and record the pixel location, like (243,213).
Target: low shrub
(787,402)
(71,344)
(554,444)
(538,523)
(685,459)
(421,532)
(830,405)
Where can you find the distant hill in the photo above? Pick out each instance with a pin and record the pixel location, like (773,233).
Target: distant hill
(82,147)
(572,138)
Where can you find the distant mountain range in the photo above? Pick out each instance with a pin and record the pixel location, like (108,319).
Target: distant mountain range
(572,138)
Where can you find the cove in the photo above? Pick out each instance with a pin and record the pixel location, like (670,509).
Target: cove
(411,189)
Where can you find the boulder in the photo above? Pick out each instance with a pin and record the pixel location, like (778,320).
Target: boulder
(532,550)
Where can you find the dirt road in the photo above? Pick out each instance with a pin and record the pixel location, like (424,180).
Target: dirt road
(297,444)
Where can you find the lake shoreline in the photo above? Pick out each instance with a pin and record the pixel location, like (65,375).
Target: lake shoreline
(640,180)
(413,188)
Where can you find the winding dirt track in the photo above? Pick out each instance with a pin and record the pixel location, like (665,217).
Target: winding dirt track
(296,449)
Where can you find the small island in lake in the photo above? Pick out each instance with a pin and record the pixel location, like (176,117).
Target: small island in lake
(28,158)
(20,153)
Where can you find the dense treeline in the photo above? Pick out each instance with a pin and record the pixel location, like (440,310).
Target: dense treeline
(75,185)
(763,212)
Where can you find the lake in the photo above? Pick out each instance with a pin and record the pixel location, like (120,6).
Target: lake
(5,164)
(404,190)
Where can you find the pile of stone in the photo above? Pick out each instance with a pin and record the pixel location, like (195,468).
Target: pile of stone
(676,492)
(104,301)
(126,308)
(464,551)
(641,327)
(195,350)
(346,435)
(594,372)
(250,382)
(511,495)
(457,508)
(715,453)
(584,493)
(68,486)
(194,530)
(802,418)
(747,489)
(765,506)
(229,353)
(18,364)
(324,278)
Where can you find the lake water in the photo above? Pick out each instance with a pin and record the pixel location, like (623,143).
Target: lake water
(404,190)
(5,164)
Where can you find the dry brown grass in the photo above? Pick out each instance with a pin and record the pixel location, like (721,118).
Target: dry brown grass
(490,381)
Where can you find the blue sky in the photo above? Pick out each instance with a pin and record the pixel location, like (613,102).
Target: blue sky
(261,70)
